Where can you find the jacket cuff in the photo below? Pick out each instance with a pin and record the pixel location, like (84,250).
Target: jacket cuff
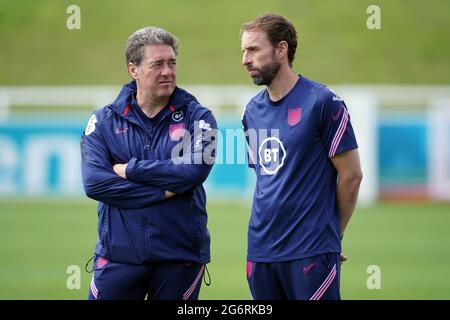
(130,171)
(162,194)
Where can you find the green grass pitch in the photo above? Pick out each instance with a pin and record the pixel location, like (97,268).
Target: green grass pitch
(410,243)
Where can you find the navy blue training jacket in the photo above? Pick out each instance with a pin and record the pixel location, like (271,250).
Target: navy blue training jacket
(173,151)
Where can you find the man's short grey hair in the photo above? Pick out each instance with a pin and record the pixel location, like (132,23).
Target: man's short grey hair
(147,37)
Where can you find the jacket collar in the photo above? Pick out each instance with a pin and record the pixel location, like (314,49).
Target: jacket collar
(123,103)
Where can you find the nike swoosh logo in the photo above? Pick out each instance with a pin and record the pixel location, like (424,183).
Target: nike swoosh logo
(307,268)
(337,115)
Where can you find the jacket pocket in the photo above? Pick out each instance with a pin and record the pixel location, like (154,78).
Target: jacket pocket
(103,224)
(201,219)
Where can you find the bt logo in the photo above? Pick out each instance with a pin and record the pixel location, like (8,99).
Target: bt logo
(271,155)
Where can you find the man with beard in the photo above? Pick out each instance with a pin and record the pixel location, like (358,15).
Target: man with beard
(304,152)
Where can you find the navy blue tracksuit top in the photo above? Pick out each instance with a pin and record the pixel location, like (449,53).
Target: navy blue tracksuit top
(173,151)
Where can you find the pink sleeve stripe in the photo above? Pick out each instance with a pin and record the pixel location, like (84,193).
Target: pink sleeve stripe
(339,134)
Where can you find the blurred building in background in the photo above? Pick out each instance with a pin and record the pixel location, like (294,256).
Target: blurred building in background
(50,75)
(403,134)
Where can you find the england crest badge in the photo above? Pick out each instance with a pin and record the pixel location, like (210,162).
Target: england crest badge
(294,116)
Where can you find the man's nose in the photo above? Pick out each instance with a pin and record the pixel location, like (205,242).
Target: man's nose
(245,59)
(166,70)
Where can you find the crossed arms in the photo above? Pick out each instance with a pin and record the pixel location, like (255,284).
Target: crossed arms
(138,183)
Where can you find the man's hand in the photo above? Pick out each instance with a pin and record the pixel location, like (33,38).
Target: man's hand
(169,194)
(343,258)
(120,169)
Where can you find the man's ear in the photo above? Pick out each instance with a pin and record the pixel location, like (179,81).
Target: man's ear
(132,70)
(282,50)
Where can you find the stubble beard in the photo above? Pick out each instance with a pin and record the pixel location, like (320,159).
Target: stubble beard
(267,73)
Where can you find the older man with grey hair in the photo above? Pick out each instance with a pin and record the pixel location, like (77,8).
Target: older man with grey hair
(153,240)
